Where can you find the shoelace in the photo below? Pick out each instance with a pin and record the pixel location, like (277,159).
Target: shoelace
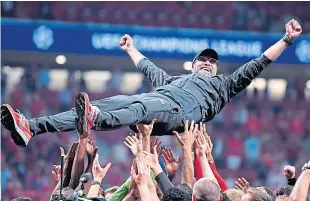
(22,119)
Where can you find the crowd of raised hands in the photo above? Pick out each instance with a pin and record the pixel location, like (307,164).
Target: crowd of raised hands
(149,181)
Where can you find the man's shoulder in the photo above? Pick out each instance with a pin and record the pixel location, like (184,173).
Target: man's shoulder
(219,77)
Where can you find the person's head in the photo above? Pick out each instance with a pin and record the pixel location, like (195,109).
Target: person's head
(206,62)
(253,194)
(181,192)
(283,193)
(232,195)
(206,189)
(22,199)
(268,191)
(67,193)
(109,192)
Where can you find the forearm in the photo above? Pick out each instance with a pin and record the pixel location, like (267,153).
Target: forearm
(197,166)
(78,163)
(188,171)
(144,192)
(154,196)
(57,187)
(94,189)
(276,50)
(146,144)
(218,177)
(135,56)
(152,190)
(301,187)
(206,169)
(89,165)
(163,182)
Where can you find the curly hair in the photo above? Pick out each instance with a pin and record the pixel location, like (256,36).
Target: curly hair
(284,190)
(179,193)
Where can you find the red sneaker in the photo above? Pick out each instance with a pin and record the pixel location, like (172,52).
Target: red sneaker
(17,124)
(86,114)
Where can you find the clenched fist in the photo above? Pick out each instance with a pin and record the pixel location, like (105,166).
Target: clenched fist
(289,171)
(293,29)
(126,43)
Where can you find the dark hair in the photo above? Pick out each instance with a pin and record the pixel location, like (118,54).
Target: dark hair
(270,192)
(22,199)
(284,190)
(179,193)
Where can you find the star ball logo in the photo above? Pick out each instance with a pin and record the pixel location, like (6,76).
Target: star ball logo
(302,51)
(43,37)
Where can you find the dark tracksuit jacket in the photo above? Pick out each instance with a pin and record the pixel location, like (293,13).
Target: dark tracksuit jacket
(175,99)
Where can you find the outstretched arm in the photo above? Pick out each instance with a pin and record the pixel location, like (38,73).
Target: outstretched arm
(244,75)
(186,141)
(157,76)
(78,163)
(301,187)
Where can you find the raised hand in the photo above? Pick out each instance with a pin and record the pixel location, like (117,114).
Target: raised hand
(99,172)
(156,143)
(171,164)
(289,171)
(71,152)
(91,149)
(202,147)
(146,129)
(140,171)
(132,143)
(293,29)
(152,158)
(57,172)
(242,184)
(209,142)
(188,138)
(126,43)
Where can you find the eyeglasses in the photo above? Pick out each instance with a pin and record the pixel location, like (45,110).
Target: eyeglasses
(204,59)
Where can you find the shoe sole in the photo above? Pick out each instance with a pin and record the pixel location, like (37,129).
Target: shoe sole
(7,120)
(80,107)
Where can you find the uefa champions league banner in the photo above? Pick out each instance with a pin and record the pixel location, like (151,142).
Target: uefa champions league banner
(97,39)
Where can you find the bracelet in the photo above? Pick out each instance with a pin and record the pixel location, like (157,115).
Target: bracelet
(287,39)
(96,183)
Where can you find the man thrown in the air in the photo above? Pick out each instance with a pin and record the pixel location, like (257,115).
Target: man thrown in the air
(197,97)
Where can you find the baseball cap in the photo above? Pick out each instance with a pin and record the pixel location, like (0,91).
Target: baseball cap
(207,53)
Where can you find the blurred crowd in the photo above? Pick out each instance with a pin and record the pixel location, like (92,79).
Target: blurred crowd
(253,137)
(250,16)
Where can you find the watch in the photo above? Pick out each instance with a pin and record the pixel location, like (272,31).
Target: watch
(306,166)
(96,183)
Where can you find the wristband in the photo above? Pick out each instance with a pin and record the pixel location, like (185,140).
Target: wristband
(287,40)
(96,183)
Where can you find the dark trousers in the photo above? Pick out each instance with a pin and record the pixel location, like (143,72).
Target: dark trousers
(117,112)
